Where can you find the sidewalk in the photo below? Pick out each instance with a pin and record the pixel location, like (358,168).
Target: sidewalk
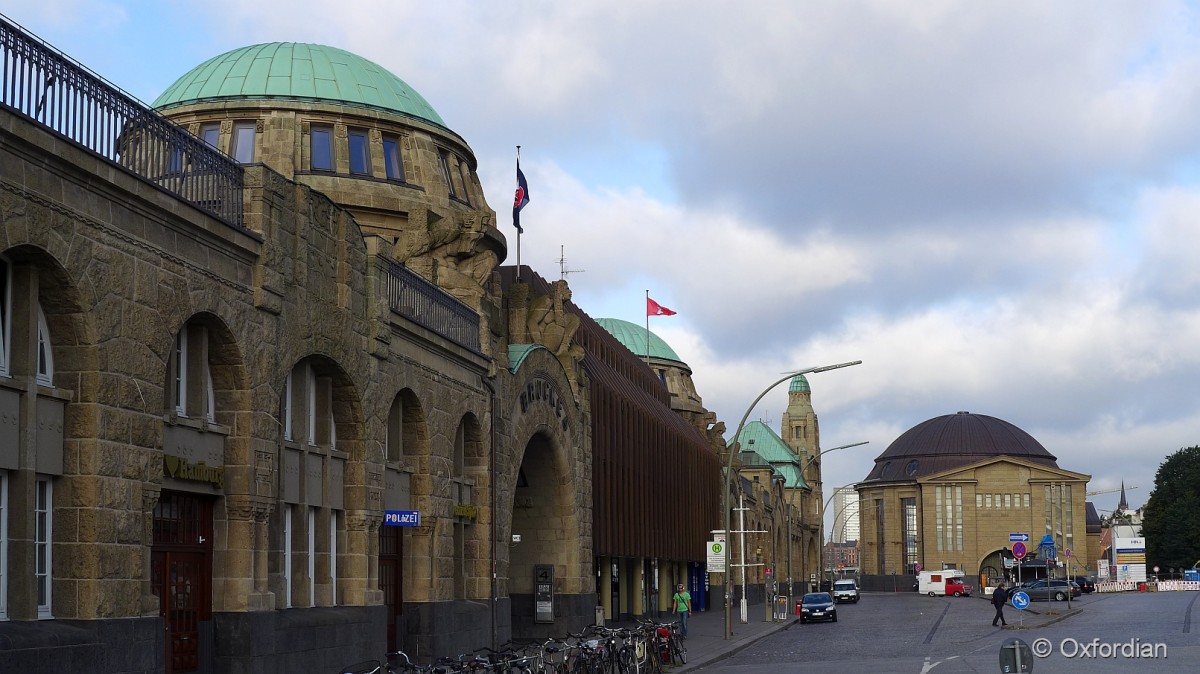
(706,642)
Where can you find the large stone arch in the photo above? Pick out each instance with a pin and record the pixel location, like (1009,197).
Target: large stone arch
(544,496)
(990,568)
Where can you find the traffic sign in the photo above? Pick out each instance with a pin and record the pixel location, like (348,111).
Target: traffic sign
(716,556)
(1020,600)
(1018,550)
(1018,537)
(1067,552)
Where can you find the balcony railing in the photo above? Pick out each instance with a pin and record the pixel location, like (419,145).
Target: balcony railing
(422,302)
(51,89)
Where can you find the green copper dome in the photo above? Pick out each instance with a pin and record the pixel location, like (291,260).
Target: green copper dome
(799,385)
(297,72)
(634,339)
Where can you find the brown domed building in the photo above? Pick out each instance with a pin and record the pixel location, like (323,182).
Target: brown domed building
(949,492)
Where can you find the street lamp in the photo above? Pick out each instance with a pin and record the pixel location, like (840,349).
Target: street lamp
(729,485)
(839,512)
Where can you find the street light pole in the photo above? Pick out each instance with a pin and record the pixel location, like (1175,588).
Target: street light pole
(821,513)
(729,478)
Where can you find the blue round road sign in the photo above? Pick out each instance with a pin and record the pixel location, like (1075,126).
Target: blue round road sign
(1020,600)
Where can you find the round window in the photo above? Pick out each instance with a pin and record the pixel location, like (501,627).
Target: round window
(911,468)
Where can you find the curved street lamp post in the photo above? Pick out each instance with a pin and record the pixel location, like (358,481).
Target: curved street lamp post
(729,489)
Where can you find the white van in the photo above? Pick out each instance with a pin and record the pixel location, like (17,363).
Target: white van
(845,590)
(933,583)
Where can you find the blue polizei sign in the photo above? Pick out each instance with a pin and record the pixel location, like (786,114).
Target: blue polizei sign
(1018,538)
(1020,600)
(402,518)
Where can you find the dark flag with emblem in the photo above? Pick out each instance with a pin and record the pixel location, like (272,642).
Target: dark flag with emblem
(521,198)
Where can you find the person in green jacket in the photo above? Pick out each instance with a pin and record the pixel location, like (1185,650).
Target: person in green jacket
(681,603)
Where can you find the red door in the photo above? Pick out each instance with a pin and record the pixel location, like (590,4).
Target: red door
(181,574)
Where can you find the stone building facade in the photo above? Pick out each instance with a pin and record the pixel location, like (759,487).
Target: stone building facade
(948,492)
(208,416)
(266,402)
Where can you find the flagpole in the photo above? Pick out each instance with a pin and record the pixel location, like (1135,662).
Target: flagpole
(518,229)
(647,326)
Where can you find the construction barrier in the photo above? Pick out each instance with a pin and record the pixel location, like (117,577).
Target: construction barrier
(1160,586)
(1174,585)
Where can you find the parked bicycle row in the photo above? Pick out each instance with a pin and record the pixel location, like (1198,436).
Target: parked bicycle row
(647,648)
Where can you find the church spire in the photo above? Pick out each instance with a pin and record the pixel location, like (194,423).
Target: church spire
(1123,505)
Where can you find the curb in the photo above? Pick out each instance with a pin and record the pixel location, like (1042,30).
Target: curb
(734,648)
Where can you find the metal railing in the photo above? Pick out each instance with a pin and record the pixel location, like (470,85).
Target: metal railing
(51,89)
(422,302)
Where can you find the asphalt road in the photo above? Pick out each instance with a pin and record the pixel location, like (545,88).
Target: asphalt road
(914,634)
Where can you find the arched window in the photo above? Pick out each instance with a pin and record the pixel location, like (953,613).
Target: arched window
(5,314)
(191,385)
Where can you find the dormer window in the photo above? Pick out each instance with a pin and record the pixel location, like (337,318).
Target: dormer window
(243,142)
(392,163)
(360,152)
(321,138)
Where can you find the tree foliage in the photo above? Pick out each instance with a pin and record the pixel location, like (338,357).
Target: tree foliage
(1171,519)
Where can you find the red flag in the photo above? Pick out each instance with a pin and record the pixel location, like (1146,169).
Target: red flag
(655,309)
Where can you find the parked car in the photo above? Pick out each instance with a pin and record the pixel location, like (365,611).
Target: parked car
(956,587)
(845,590)
(1054,588)
(1086,584)
(817,606)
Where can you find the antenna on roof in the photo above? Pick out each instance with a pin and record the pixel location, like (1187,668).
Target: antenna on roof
(562,265)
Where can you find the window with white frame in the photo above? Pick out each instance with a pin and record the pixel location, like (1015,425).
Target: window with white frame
(210,133)
(43,549)
(333,556)
(308,407)
(45,354)
(3,545)
(393,163)
(360,151)
(444,163)
(287,409)
(321,148)
(191,377)
(5,313)
(244,135)
(312,555)
(287,556)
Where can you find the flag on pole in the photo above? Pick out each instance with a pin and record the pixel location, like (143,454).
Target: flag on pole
(655,309)
(520,199)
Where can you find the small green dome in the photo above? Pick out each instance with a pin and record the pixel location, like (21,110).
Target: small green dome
(799,385)
(298,72)
(634,338)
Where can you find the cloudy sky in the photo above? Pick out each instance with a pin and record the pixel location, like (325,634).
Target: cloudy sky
(994,205)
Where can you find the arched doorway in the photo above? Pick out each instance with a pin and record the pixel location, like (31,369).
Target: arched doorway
(993,569)
(545,529)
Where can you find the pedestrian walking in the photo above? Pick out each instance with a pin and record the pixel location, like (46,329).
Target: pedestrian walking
(681,603)
(999,599)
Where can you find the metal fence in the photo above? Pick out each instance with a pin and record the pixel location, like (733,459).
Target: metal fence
(51,89)
(422,302)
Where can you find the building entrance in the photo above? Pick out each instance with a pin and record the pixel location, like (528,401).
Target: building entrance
(181,574)
(391,579)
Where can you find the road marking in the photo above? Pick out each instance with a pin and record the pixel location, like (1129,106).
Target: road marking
(1187,616)
(933,630)
(928,666)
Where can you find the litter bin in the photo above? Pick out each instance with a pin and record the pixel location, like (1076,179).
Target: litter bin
(799,603)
